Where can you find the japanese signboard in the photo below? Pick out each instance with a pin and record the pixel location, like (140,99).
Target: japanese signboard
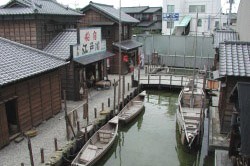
(90,42)
(170,16)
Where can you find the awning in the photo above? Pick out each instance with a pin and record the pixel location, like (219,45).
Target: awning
(128,45)
(184,21)
(87,59)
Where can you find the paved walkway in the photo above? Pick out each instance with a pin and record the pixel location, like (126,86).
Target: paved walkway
(16,153)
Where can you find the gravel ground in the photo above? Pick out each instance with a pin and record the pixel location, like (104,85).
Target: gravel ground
(55,128)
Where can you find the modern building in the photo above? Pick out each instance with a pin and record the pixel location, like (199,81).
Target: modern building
(107,17)
(150,18)
(180,17)
(243,23)
(35,22)
(30,88)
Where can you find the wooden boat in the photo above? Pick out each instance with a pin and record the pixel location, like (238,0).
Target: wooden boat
(98,144)
(190,115)
(132,108)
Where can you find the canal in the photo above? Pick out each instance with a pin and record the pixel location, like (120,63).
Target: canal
(152,138)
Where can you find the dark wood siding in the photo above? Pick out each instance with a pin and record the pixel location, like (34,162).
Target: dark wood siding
(55,92)
(23,104)
(46,97)
(34,30)
(4,131)
(225,106)
(68,81)
(21,31)
(35,101)
(38,99)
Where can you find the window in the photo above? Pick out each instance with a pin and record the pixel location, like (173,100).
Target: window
(217,24)
(170,24)
(170,8)
(197,8)
(199,23)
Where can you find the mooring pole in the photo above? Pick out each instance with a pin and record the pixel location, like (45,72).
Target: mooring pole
(55,142)
(30,152)
(66,115)
(42,155)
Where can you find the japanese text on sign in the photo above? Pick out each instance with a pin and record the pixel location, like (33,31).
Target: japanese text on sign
(90,42)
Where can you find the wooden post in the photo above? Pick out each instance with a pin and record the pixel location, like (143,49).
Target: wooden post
(87,115)
(95,113)
(30,152)
(66,115)
(42,155)
(114,94)
(86,134)
(123,89)
(181,80)
(55,142)
(171,80)
(128,86)
(78,126)
(148,79)
(108,102)
(102,106)
(22,164)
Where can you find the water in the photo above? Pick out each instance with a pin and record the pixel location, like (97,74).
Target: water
(152,138)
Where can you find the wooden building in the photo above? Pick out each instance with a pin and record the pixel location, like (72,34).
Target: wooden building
(107,17)
(234,66)
(239,147)
(81,67)
(150,18)
(29,88)
(221,36)
(35,22)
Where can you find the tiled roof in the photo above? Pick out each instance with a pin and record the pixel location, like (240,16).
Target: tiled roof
(19,61)
(152,10)
(136,9)
(234,59)
(87,59)
(145,23)
(60,45)
(110,11)
(224,35)
(128,44)
(50,7)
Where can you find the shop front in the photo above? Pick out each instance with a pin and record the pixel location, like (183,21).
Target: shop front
(130,57)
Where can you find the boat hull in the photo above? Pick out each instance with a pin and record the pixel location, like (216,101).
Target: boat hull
(97,146)
(190,117)
(132,109)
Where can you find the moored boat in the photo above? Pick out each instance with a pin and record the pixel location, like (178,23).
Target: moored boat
(98,144)
(132,108)
(190,115)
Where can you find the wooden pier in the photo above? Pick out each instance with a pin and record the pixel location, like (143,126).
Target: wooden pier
(171,79)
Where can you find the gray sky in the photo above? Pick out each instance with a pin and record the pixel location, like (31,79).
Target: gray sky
(126,3)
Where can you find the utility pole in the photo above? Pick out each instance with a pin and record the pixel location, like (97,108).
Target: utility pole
(230,12)
(120,32)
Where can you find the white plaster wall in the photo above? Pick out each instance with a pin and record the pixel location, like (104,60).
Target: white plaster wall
(243,20)
(182,6)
